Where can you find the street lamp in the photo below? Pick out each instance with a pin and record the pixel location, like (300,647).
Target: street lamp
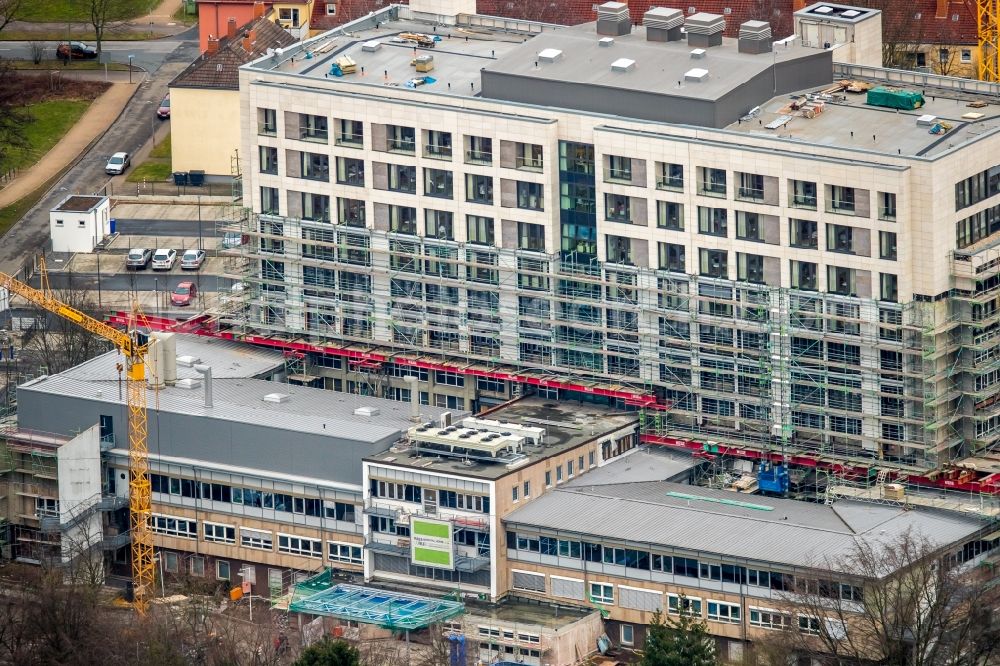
(130,68)
(156,294)
(97,251)
(158,558)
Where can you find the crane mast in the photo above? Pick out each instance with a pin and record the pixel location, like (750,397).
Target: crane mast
(988,27)
(140,497)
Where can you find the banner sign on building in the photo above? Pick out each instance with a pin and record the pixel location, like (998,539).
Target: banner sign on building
(431,543)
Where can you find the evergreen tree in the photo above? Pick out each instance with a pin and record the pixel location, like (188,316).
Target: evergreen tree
(329,653)
(681,642)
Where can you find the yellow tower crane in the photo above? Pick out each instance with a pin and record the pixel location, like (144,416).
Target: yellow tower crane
(988,27)
(129,345)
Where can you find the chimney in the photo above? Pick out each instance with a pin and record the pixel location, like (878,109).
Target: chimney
(258,10)
(206,371)
(231,27)
(755,37)
(942,9)
(704,30)
(613,19)
(663,24)
(249,39)
(213,44)
(414,398)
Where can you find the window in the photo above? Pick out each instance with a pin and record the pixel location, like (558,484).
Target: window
(529,157)
(590,458)
(713,221)
(401,139)
(268,159)
(602,593)
(313,128)
(713,263)
(346,553)
(751,187)
(887,245)
(627,634)
(350,133)
(841,199)
(479,150)
(712,182)
(966,55)
(218,533)
(670,176)
(513,493)
(331,9)
(671,257)
(841,281)
(315,207)
(804,275)
(315,166)
(46,507)
(979,187)
(350,171)
(197,563)
(290,15)
(530,237)
(221,570)
(769,619)
(294,545)
(438,144)
(809,625)
(169,561)
(479,229)
(171,526)
(548,478)
(438,183)
(670,215)
(478,189)
(617,208)
(802,194)
(749,227)
(527,490)
(559,474)
(888,287)
(619,250)
(839,238)
(719,611)
(576,158)
(59,223)
(267,122)
(750,267)
(569,469)
(269,200)
(887,206)
(976,227)
(943,56)
(256,539)
(403,178)
(619,168)
(439,224)
(351,212)
(529,196)
(687,605)
(804,234)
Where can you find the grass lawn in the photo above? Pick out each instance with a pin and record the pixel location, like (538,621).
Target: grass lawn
(51,121)
(150,170)
(74,10)
(162,149)
(9,215)
(9,35)
(73,65)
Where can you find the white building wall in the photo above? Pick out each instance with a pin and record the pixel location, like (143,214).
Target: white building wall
(79,472)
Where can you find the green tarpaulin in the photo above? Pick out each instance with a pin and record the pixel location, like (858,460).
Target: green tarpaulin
(894,98)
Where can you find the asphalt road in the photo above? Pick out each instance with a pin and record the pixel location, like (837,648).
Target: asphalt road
(127,227)
(149,55)
(138,281)
(87,176)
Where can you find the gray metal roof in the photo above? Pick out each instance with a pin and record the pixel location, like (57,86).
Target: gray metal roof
(646,464)
(791,533)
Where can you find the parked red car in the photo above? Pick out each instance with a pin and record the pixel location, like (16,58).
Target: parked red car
(184,293)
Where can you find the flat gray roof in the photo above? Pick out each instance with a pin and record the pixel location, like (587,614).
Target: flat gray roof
(852,123)
(458,57)
(659,66)
(568,424)
(762,529)
(649,463)
(837,13)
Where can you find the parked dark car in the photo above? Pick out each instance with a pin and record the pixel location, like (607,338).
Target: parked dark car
(75,51)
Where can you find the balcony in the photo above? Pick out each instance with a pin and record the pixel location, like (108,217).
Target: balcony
(408,146)
(350,139)
(116,541)
(478,157)
(525,163)
(437,151)
(469,564)
(388,548)
(373,509)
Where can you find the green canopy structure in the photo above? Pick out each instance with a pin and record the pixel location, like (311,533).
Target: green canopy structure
(895,98)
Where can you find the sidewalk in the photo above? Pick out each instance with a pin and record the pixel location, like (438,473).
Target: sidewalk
(98,118)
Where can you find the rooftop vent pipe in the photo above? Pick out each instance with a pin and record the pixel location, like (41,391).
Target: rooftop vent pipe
(613,19)
(663,24)
(206,372)
(414,398)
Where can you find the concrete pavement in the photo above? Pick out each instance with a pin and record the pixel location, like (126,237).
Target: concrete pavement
(95,122)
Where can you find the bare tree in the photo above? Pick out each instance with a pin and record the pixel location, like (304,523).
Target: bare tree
(13,117)
(910,605)
(103,15)
(37,50)
(9,11)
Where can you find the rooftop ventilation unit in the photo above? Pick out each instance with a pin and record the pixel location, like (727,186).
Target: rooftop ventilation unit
(371,46)
(606,41)
(823,10)
(613,19)
(366,411)
(188,361)
(623,65)
(663,24)
(696,75)
(755,37)
(698,54)
(277,398)
(549,55)
(705,30)
(189,383)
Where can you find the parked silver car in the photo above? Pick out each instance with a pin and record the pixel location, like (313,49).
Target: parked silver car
(192,260)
